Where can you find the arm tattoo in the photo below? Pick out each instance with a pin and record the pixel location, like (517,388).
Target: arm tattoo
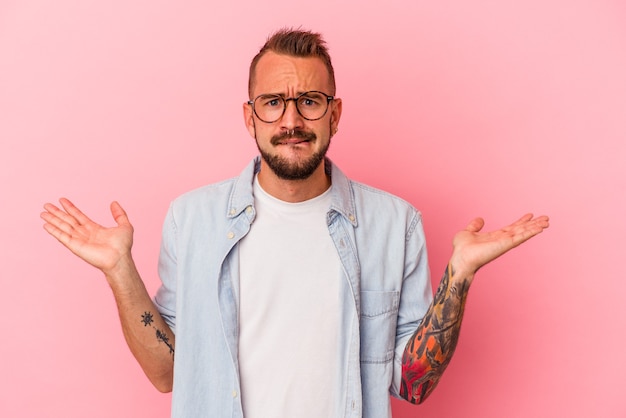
(148,319)
(430,349)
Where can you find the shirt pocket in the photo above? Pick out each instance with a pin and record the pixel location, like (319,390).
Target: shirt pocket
(379,315)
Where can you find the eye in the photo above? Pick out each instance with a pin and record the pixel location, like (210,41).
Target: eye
(310,100)
(269,101)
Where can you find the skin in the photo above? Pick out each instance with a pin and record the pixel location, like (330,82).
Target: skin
(289,76)
(109,250)
(429,350)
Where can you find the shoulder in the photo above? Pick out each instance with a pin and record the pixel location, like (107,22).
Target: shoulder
(204,205)
(209,192)
(379,209)
(367,192)
(362,198)
(366,195)
(234,192)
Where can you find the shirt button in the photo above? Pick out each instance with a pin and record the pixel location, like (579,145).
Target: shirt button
(249,209)
(231,235)
(234,393)
(232,211)
(351,217)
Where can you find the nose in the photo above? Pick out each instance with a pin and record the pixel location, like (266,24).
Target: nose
(291,118)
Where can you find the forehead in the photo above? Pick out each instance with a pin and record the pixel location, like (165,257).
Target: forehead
(277,73)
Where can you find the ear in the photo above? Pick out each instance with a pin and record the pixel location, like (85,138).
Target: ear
(335,114)
(248,118)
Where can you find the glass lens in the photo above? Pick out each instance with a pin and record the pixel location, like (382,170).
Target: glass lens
(269,107)
(312,105)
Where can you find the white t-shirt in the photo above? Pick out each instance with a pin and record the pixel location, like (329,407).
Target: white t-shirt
(289,311)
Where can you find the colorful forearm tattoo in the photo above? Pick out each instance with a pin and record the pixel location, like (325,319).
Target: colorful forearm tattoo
(430,349)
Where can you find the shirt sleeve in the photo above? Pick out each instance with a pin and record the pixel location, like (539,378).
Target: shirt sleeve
(165,298)
(416,294)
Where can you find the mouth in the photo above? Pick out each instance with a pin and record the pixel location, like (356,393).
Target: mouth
(293,138)
(293,141)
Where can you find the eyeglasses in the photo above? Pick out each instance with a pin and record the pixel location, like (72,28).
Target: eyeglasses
(311,105)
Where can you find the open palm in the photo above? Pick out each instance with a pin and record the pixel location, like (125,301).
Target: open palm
(99,246)
(473,249)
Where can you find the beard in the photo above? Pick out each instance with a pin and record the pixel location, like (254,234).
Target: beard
(289,170)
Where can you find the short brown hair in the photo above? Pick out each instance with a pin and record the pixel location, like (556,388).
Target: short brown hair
(296,43)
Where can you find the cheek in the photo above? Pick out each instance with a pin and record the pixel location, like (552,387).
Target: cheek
(262,132)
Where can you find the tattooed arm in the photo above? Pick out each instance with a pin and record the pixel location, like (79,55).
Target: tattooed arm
(109,249)
(430,348)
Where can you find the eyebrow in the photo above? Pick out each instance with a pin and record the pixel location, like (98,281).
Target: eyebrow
(283,95)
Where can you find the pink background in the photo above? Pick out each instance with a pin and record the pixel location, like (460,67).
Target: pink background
(482,108)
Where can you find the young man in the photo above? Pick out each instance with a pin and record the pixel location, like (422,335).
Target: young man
(292,291)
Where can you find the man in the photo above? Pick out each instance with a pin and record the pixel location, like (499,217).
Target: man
(292,291)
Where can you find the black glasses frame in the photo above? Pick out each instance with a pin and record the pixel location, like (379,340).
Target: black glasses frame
(295,102)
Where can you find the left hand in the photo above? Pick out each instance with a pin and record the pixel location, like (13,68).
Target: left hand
(473,249)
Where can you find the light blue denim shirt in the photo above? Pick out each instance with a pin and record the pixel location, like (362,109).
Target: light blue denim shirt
(385,288)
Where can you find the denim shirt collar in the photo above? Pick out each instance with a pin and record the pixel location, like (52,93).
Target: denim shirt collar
(342,199)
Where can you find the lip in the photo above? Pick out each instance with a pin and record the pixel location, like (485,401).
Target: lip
(294,138)
(293,141)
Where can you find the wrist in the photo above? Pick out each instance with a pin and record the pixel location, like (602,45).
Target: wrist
(122,274)
(459,271)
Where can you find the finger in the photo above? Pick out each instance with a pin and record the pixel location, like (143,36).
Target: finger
(528,230)
(59,219)
(119,214)
(537,224)
(75,212)
(476,225)
(61,236)
(526,222)
(62,215)
(524,219)
(542,222)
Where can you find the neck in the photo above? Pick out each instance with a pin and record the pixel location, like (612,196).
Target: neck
(294,191)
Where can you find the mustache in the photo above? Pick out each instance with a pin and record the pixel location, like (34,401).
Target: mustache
(295,133)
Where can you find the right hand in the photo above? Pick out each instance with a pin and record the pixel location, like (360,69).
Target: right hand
(104,248)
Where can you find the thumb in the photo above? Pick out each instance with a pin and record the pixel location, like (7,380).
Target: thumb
(119,214)
(476,225)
